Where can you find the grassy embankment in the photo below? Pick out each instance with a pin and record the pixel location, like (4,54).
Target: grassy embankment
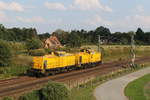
(85,91)
(139,89)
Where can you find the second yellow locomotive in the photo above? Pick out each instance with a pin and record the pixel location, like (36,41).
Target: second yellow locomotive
(60,61)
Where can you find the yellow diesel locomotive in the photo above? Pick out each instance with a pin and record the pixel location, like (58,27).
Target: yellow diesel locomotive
(61,61)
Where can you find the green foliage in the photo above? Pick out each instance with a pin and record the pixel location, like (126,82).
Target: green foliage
(8,98)
(5,54)
(74,40)
(13,70)
(54,91)
(134,90)
(33,44)
(139,34)
(62,36)
(37,52)
(31,96)
(17,34)
(147,91)
(44,36)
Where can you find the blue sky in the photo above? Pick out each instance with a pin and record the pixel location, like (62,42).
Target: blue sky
(49,15)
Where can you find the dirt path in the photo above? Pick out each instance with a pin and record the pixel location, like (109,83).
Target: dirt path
(114,89)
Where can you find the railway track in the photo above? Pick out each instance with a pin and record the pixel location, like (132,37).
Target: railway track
(20,85)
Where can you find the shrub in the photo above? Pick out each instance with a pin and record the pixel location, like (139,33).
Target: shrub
(14,70)
(30,96)
(37,52)
(8,98)
(34,44)
(54,91)
(5,54)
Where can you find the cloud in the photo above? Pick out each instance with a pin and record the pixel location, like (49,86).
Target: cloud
(132,22)
(36,19)
(13,6)
(98,20)
(90,5)
(142,21)
(128,22)
(140,8)
(3,17)
(54,6)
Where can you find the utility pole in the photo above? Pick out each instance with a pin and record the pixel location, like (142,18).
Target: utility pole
(99,43)
(99,47)
(132,50)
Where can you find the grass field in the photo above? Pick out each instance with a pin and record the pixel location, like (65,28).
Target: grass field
(20,64)
(147,91)
(85,92)
(138,90)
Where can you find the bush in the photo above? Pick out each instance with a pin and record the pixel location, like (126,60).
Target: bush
(34,44)
(54,91)
(30,96)
(8,98)
(5,54)
(37,52)
(14,70)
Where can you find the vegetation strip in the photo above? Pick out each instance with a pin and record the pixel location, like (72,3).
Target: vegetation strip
(135,89)
(147,90)
(85,91)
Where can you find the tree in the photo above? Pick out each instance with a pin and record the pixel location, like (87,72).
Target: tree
(54,91)
(51,91)
(105,32)
(147,38)
(17,34)
(34,44)
(44,36)
(139,35)
(5,54)
(74,40)
(62,36)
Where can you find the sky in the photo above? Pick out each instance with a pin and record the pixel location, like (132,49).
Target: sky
(50,15)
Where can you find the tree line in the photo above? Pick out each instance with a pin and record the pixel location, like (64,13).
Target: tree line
(76,38)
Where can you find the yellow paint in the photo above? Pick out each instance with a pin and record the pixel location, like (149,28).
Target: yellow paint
(61,59)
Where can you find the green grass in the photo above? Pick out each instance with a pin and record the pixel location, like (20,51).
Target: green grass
(82,93)
(13,70)
(135,89)
(147,91)
(20,64)
(85,91)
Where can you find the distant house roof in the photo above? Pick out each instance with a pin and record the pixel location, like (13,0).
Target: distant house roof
(52,42)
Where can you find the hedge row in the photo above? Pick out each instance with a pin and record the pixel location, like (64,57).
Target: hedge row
(52,91)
